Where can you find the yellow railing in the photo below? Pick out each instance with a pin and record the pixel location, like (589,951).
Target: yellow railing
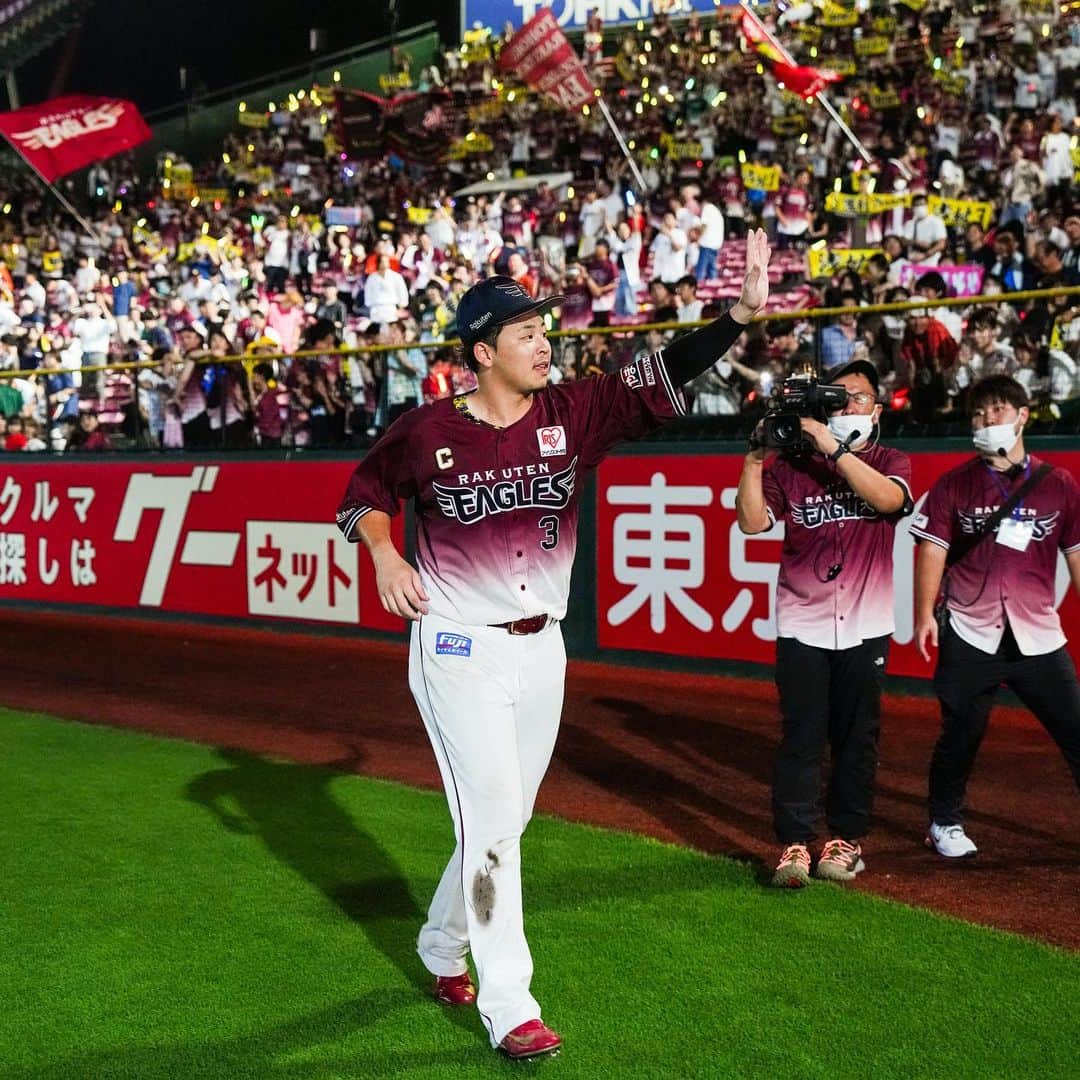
(249,360)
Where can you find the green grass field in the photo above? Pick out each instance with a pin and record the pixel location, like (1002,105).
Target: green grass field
(178,912)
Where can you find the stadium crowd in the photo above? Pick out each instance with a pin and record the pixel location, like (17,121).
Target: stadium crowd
(295,239)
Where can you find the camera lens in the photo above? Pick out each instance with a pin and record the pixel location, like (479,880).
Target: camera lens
(782,430)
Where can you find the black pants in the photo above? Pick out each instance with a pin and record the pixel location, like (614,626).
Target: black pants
(197,433)
(833,696)
(966,682)
(276,276)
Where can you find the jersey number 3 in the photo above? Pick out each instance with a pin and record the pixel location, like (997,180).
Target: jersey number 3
(550,525)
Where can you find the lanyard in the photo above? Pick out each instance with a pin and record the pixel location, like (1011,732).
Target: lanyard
(1004,488)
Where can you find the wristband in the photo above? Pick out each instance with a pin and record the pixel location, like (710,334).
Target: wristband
(839,452)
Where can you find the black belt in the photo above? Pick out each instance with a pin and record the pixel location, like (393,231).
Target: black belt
(531,625)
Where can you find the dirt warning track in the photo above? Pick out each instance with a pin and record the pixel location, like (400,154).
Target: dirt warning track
(683,758)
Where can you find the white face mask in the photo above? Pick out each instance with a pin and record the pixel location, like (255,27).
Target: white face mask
(846,425)
(996,439)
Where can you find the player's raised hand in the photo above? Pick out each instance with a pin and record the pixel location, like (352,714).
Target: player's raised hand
(400,589)
(755,286)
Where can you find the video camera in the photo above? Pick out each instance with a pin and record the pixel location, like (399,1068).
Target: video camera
(799,396)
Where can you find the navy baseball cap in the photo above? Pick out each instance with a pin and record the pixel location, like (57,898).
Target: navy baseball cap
(856,367)
(494,302)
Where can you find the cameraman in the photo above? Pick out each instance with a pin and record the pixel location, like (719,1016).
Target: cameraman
(840,496)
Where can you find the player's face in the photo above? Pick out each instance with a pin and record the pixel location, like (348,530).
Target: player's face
(522,356)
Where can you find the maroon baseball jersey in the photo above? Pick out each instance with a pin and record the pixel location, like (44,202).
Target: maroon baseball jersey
(828,526)
(497,508)
(994,583)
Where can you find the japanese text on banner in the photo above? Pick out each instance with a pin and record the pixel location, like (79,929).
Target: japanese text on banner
(761,177)
(824,262)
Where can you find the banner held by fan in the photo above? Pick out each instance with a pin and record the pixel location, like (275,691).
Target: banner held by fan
(59,136)
(542,57)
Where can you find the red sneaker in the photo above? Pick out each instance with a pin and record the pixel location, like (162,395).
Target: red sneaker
(530,1039)
(455,989)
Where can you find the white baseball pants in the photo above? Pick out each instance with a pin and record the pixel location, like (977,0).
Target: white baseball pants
(491,703)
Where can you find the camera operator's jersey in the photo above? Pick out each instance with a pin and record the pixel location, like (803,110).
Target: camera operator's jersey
(836,570)
(497,508)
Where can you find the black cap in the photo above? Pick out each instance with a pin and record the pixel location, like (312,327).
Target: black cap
(856,367)
(493,302)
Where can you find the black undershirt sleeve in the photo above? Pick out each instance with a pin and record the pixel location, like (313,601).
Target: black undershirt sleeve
(693,355)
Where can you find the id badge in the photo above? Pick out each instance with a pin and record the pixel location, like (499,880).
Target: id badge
(1015,534)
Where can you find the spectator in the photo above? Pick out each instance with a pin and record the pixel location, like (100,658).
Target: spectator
(710,241)
(625,245)
(227,395)
(87,437)
(15,438)
(669,250)
(794,211)
(270,414)
(690,307)
(663,298)
(94,332)
(925,234)
(601,277)
(839,339)
(277,251)
(332,308)
(1023,180)
(932,286)
(189,396)
(928,353)
(385,293)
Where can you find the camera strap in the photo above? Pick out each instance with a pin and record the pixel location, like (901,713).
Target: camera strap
(972,540)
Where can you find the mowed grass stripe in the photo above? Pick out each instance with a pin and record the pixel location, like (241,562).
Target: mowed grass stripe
(175,911)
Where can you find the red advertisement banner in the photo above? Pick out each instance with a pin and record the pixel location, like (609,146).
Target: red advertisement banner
(59,136)
(544,59)
(675,575)
(237,539)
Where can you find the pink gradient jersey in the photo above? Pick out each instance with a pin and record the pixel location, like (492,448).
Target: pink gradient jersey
(497,508)
(994,583)
(836,571)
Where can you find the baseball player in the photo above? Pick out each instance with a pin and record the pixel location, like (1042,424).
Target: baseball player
(496,478)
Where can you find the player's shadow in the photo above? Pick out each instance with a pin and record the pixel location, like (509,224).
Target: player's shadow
(307,1045)
(715,747)
(695,815)
(290,809)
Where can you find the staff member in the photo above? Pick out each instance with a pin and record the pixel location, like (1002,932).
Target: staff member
(1002,626)
(840,505)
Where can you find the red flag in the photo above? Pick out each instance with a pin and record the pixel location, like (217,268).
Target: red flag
(753,30)
(543,59)
(804,81)
(59,136)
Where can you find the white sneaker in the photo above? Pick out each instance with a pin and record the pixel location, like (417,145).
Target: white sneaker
(950,841)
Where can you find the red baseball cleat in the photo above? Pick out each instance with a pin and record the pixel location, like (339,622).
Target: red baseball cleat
(530,1040)
(455,989)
